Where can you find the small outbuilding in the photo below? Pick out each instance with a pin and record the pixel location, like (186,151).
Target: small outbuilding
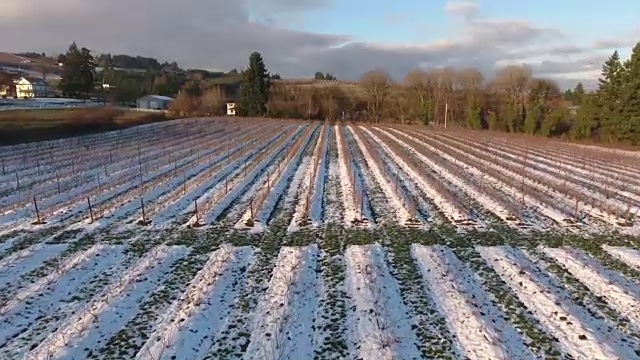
(154,102)
(231,109)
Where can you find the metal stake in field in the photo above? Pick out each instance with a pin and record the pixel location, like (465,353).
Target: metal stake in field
(90,210)
(17,183)
(3,170)
(58,182)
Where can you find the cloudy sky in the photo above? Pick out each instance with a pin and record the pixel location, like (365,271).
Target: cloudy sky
(562,39)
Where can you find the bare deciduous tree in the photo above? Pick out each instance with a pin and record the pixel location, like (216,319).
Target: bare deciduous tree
(377,86)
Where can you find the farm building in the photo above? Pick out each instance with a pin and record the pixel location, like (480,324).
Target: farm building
(29,87)
(231,109)
(154,102)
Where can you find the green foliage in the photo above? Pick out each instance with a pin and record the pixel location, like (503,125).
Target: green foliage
(321,76)
(585,119)
(553,121)
(254,88)
(578,94)
(509,114)
(532,119)
(79,72)
(128,62)
(628,127)
(474,113)
(493,121)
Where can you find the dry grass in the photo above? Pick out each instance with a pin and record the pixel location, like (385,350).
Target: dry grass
(17,126)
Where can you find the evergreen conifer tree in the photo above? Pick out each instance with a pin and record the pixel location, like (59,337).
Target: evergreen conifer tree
(254,89)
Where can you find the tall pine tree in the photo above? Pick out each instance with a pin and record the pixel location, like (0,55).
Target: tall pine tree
(254,89)
(628,128)
(78,72)
(578,94)
(609,94)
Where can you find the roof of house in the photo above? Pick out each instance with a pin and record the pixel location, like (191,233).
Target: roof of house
(156,97)
(35,80)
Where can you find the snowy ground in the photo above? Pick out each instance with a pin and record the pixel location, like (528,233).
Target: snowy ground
(218,259)
(44,103)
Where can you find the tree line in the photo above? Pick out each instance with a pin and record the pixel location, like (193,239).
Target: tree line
(512,101)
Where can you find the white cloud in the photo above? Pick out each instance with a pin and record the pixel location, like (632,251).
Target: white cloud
(463,8)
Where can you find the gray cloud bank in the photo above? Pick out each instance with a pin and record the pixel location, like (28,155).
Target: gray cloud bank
(219,34)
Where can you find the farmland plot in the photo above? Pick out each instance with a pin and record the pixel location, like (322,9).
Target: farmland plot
(263,239)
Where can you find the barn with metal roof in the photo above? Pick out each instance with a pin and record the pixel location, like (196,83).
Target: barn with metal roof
(154,102)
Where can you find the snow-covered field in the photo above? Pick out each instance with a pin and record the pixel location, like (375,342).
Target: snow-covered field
(44,103)
(263,239)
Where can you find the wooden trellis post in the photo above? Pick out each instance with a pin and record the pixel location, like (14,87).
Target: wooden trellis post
(184,182)
(3,170)
(144,216)
(17,182)
(35,204)
(361,206)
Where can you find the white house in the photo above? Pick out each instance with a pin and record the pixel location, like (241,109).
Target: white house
(231,109)
(29,87)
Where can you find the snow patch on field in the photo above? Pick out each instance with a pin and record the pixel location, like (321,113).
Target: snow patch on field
(380,327)
(621,293)
(113,318)
(204,325)
(167,331)
(580,335)
(630,257)
(83,319)
(284,326)
(478,324)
